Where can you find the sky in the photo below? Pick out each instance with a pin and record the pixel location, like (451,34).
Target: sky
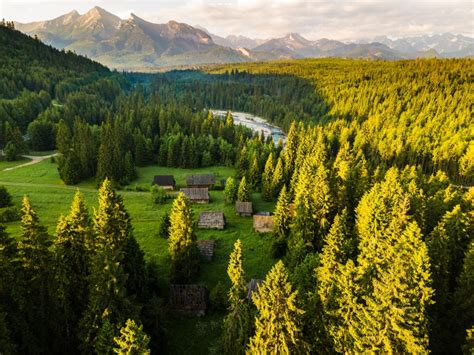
(334,19)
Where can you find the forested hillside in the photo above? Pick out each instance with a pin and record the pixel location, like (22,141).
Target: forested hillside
(405,112)
(373,218)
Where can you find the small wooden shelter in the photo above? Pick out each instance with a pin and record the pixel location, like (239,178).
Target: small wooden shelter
(167,182)
(197,195)
(201,180)
(262,223)
(252,287)
(189,299)
(244,208)
(211,220)
(206,249)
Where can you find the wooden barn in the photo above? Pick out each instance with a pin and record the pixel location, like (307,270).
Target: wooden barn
(244,208)
(262,223)
(197,195)
(206,249)
(167,182)
(252,287)
(189,299)
(201,180)
(211,220)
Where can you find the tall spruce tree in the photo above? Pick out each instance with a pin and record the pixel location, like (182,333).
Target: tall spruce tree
(182,240)
(243,193)
(237,324)
(230,190)
(267,178)
(36,306)
(277,326)
(72,252)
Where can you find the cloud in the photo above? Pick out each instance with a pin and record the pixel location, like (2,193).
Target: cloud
(335,19)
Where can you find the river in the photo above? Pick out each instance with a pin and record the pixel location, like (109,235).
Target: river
(255,123)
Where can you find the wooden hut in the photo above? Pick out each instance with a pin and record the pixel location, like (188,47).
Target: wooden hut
(197,195)
(201,180)
(206,249)
(211,220)
(252,287)
(167,182)
(188,299)
(262,223)
(244,208)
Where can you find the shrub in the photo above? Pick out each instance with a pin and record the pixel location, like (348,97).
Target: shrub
(163,230)
(218,297)
(9,214)
(5,197)
(158,195)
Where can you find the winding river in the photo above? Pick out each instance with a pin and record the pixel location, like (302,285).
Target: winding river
(255,123)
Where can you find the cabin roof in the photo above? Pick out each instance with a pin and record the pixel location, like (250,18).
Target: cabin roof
(244,207)
(190,297)
(163,180)
(200,179)
(196,193)
(212,217)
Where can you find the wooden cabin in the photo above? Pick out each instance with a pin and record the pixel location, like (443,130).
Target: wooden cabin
(206,249)
(197,195)
(252,287)
(167,182)
(201,180)
(262,223)
(211,220)
(189,299)
(244,208)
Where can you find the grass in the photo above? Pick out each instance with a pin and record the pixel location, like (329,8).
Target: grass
(51,198)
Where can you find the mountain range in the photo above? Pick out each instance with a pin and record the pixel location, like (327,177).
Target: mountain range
(136,44)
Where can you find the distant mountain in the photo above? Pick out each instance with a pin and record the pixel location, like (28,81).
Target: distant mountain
(446,45)
(138,44)
(131,43)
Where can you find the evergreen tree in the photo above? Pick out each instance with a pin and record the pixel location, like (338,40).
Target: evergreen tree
(72,258)
(243,193)
(132,340)
(230,191)
(36,305)
(278,178)
(254,175)
(237,323)
(267,179)
(277,326)
(182,240)
(282,215)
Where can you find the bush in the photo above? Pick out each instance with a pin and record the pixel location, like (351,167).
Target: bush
(163,230)
(11,151)
(278,248)
(158,195)
(5,197)
(9,214)
(218,297)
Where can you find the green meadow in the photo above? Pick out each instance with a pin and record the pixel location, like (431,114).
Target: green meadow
(51,198)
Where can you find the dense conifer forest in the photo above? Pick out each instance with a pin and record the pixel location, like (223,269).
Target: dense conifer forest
(372,241)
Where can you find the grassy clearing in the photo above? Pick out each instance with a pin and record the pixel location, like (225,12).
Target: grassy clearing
(8,164)
(51,198)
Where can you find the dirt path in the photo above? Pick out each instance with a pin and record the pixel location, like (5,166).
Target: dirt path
(34,160)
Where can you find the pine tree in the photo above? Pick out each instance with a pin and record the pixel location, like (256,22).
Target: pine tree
(230,191)
(237,323)
(267,178)
(278,179)
(36,305)
(132,340)
(243,193)
(282,216)
(182,240)
(72,258)
(254,176)
(278,328)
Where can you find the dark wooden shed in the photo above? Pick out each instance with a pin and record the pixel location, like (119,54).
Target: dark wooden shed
(165,181)
(189,299)
(197,195)
(211,220)
(244,208)
(201,180)
(252,287)
(206,249)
